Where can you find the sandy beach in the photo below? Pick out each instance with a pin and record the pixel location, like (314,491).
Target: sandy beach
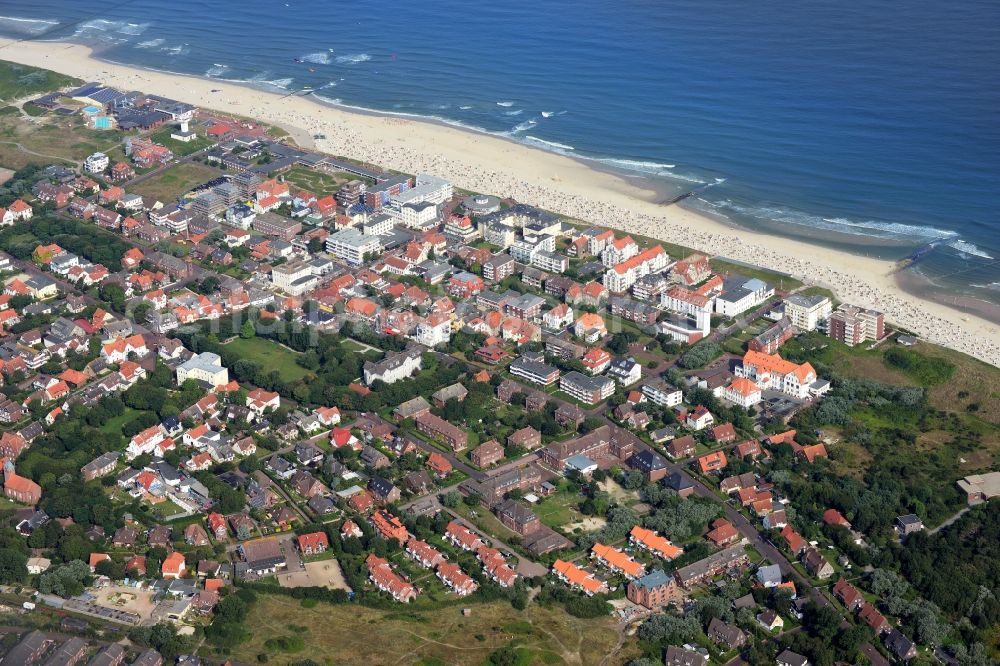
(490,164)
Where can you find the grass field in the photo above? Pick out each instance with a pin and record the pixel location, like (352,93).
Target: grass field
(114,424)
(270,356)
(20,81)
(559,509)
(49,139)
(180,148)
(317,182)
(440,636)
(175,181)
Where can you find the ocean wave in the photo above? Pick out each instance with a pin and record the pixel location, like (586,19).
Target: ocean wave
(465,108)
(133,29)
(968,248)
(548,114)
(27,26)
(992,286)
(515,112)
(96,26)
(869,228)
(321,58)
(150,43)
(549,145)
(353,59)
(216,70)
(182,49)
(525,126)
(505,103)
(654,168)
(328,84)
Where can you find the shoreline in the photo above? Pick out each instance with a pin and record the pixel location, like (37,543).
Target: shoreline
(572,187)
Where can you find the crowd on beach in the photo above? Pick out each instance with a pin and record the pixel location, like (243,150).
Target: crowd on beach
(342,137)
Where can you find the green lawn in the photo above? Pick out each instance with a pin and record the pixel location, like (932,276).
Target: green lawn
(180,148)
(176,181)
(114,425)
(270,355)
(559,509)
(317,182)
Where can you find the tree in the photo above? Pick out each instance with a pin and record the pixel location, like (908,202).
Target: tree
(247,331)
(13,566)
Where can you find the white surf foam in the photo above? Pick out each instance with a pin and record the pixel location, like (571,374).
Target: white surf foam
(525,126)
(321,58)
(150,43)
(965,247)
(548,114)
(870,228)
(465,108)
(550,145)
(27,26)
(515,112)
(353,59)
(216,70)
(505,103)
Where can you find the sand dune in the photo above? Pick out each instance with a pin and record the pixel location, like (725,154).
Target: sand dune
(492,164)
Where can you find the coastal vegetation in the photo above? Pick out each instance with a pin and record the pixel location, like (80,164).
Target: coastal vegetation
(17,81)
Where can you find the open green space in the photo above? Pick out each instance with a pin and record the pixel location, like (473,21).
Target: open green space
(438,636)
(180,148)
(20,81)
(175,181)
(270,356)
(317,182)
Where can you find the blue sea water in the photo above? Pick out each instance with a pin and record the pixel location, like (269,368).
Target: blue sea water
(874,126)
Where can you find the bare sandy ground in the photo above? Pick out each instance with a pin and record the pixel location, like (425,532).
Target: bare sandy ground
(324,573)
(485,163)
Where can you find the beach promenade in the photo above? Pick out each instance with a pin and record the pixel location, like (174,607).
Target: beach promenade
(491,164)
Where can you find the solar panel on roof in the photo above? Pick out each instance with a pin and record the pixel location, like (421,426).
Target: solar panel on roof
(106,96)
(86,90)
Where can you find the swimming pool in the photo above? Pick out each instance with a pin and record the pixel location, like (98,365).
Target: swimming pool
(91,109)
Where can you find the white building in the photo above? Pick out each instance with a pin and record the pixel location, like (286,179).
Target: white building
(295,277)
(663,394)
(206,367)
(773,372)
(625,371)
(807,312)
(623,275)
(96,163)
(742,295)
(415,215)
(352,245)
(427,188)
(394,367)
(742,392)
(378,225)
(434,330)
(685,301)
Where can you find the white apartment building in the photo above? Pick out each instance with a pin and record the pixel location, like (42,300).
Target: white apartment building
(96,163)
(740,295)
(378,225)
(807,312)
(426,188)
(622,276)
(685,301)
(617,251)
(295,277)
(205,367)
(351,245)
(434,330)
(662,393)
(415,215)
